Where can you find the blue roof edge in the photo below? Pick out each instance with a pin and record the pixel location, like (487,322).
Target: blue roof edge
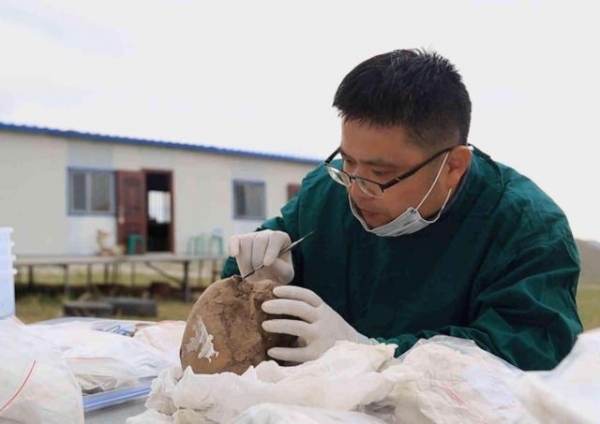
(32,129)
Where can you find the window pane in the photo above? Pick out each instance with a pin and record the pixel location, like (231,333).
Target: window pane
(78,192)
(249,200)
(255,200)
(239,199)
(100,187)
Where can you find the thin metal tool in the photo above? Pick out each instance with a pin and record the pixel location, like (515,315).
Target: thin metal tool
(287,249)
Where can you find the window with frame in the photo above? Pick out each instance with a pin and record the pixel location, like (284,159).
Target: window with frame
(91,192)
(249,200)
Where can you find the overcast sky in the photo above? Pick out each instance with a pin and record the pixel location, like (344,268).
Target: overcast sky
(260,75)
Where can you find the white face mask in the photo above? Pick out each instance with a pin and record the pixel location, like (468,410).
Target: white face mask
(410,221)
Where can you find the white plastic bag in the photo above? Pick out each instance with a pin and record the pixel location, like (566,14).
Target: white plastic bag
(570,393)
(450,380)
(36,385)
(104,360)
(165,336)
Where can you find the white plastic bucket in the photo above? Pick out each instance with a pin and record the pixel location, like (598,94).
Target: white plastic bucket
(7,274)
(6,248)
(5,233)
(7,293)
(6,262)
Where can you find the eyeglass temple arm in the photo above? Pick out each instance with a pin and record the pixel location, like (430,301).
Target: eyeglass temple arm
(330,158)
(415,170)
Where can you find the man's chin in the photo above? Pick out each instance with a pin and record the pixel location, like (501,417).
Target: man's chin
(372,219)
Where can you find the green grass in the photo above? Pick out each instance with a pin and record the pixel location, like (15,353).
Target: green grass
(588,303)
(32,308)
(142,275)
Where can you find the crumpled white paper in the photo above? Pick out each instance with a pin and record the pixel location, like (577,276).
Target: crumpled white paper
(266,413)
(344,378)
(443,379)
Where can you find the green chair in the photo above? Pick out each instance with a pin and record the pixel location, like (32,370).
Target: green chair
(196,245)
(215,242)
(206,243)
(133,240)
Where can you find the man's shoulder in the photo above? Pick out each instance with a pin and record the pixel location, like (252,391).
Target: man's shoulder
(523,192)
(523,210)
(515,189)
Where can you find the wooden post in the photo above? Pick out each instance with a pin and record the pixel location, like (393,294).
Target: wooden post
(30,272)
(67,282)
(132,274)
(115,273)
(89,277)
(187,295)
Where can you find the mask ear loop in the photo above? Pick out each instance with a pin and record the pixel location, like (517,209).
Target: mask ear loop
(442,208)
(437,177)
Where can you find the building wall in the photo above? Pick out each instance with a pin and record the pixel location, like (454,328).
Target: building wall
(33,189)
(33,192)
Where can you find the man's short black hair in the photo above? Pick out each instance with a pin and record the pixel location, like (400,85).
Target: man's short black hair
(419,90)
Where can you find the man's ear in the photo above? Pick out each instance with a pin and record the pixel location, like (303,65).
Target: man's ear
(458,163)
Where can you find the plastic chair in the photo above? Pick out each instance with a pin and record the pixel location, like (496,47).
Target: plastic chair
(207,243)
(196,245)
(132,243)
(216,240)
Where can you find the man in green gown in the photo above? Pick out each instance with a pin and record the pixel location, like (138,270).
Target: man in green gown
(416,233)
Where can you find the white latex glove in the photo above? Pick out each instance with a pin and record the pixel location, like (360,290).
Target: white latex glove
(318,329)
(262,248)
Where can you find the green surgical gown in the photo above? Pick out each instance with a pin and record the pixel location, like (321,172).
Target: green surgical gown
(500,267)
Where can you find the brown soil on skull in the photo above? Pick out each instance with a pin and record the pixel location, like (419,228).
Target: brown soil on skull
(230,310)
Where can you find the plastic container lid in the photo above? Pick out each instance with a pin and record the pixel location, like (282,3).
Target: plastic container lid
(117,396)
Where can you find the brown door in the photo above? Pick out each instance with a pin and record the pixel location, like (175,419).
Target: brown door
(131,207)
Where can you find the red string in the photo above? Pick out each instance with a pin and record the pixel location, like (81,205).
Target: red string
(20,388)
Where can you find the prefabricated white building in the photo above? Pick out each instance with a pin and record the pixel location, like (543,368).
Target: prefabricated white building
(59,188)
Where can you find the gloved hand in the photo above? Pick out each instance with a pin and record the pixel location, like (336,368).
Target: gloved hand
(318,329)
(262,248)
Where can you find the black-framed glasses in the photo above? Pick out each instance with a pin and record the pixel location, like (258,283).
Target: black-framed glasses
(369,187)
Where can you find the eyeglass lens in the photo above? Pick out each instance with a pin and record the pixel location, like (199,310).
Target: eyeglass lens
(367,187)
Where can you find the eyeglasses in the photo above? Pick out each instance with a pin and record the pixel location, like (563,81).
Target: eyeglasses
(369,187)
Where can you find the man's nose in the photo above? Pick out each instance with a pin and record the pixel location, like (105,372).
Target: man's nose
(355,190)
